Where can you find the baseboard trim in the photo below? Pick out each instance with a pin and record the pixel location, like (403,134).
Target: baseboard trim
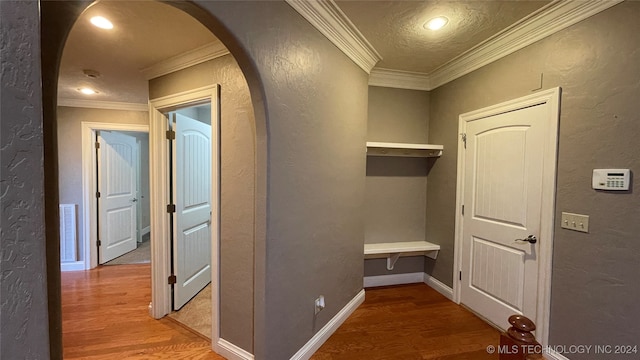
(72,266)
(145,230)
(231,351)
(393,279)
(323,335)
(438,286)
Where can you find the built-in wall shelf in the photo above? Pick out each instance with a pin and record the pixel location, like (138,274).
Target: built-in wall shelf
(393,251)
(403,149)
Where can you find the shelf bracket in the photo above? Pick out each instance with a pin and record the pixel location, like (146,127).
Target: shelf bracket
(431,254)
(391,260)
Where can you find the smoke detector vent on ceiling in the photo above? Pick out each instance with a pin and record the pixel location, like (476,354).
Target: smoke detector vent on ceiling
(93,74)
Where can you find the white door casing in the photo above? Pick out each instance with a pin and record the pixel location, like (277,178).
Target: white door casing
(89,217)
(117,184)
(192,194)
(159,185)
(506,182)
(160,221)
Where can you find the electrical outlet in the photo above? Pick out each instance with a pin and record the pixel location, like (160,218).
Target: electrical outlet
(319,304)
(575,222)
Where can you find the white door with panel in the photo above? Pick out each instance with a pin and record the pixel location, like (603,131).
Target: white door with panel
(503,183)
(192,194)
(117,185)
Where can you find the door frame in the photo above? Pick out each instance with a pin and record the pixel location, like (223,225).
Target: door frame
(547,215)
(159,197)
(89,184)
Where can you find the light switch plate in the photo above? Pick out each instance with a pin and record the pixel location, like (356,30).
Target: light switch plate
(575,222)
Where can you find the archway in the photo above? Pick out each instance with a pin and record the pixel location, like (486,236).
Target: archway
(57,20)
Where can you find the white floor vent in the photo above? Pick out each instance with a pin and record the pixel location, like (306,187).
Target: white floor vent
(68,233)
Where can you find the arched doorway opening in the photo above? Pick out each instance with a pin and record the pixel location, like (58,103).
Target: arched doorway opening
(54,34)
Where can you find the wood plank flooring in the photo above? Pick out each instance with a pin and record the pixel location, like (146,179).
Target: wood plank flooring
(410,322)
(105,316)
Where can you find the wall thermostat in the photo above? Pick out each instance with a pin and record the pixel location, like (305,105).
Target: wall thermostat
(611,179)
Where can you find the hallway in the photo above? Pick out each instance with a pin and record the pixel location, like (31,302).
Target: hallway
(105,316)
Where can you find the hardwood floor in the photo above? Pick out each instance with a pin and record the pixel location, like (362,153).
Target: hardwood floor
(105,316)
(410,322)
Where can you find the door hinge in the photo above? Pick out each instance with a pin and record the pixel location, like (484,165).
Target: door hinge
(171,135)
(464,139)
(97,145)
(462,209)
(171,208)
(460,276)
(172,279)
(97,194)
(99,243)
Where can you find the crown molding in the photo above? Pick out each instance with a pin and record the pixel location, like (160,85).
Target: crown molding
(399,79)
(326,16)
(109,105)
(547,21)
(182,61)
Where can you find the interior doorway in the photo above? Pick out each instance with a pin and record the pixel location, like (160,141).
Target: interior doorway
(122,172)
(191,193)
(244,194)
(185,171)
(506,192)
(192,199)
(135,203)
(78,186)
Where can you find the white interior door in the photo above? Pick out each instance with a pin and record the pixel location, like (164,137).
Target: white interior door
(503,184)
(117,204)
(139,192)
(192,194)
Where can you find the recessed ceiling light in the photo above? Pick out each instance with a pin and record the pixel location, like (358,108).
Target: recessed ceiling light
(87,91)
(436,23)
(101,22)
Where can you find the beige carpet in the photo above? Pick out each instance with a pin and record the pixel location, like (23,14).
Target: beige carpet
(141,255)
(196,314)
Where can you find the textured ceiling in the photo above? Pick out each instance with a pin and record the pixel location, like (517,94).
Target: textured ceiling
(147,32)
(144,33)
(395,28)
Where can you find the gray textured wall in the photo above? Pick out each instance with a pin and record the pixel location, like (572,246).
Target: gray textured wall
(396,187)
(398,115)
(597,63)
(23,290)
(405,265)
(317,131)
(70,152)
(237,132)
